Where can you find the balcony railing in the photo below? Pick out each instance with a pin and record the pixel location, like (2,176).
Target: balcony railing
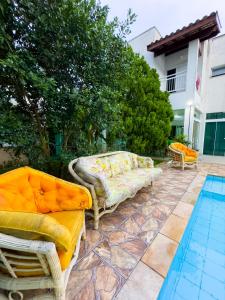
(174,83)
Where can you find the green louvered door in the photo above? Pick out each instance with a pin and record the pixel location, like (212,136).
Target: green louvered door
(214,142)
(220,139)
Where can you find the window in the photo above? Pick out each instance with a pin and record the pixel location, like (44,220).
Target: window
(217,71)
(171,80)
(217,115)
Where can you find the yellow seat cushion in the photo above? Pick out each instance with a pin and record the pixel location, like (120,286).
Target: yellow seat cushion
(26,189)
(73,221)
(189,158)
(34,226)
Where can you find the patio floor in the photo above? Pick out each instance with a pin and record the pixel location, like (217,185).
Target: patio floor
(130,254)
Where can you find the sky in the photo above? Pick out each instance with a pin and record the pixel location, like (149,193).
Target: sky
(166,15)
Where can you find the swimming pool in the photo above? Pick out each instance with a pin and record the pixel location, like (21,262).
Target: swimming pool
(198,268)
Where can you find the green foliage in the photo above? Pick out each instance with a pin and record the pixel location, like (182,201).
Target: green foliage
(181,138)
(67,74)
(146,111)
(61,65)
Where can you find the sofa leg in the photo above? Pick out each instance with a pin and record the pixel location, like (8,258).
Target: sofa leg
(96,223)
(60,294)
(17,294)
(96,216)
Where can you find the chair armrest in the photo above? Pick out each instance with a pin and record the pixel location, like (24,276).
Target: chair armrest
(73,196)
(176,154)
(95,182)
(145,162)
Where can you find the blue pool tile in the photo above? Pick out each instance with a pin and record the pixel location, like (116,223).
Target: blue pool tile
(198,269)
(199,237)
(176,297)
(205,296)
(214,287)
(215,235)
(198,248)
(187,289)
(216,245)
(217,227)
(191,273)
(215,270)
(215,256)
(194,259)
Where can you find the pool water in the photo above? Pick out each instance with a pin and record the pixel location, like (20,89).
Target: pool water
(198,268)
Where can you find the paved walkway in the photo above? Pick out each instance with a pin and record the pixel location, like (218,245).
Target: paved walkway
(129,256)
(213,159)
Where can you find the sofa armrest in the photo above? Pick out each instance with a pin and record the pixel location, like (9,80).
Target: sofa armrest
(95,182)
(145,162)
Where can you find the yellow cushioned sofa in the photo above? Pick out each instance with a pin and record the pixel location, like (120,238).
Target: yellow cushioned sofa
(41,224)
(183,156)
(112,178)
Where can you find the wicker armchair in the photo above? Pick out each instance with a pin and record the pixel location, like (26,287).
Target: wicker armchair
(183,156)
(38,256)
(41,225)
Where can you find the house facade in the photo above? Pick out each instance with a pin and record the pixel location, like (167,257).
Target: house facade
(191,67)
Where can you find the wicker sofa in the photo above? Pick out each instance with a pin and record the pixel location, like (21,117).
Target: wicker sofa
(183,156)
(41,225)
(112,178)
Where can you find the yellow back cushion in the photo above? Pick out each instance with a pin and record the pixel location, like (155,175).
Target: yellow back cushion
(187,151)
(26,189)
(34,226)
(16,192)
(179,147)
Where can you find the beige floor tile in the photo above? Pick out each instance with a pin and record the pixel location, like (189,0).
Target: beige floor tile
(174,227)
(143,284)
(160,254)
(183,210)
(190,198)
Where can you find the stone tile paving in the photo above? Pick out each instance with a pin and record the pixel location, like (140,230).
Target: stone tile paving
(115,251)
(115,261)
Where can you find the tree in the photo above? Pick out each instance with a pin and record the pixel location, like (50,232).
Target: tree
(61,67)
(146,110)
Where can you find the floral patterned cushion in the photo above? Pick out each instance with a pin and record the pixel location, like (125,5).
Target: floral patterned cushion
(117,176)
(126,185)
(145,162)
(95,171)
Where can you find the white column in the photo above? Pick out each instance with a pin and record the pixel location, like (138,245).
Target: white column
(189,122)
(192,67)
(204,74)
(202,133)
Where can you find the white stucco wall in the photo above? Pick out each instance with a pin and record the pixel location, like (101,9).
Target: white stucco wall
(140,42)
(215,86)
(177,60)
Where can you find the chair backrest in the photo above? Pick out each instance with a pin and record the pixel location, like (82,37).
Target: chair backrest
(108,164)
(29,190)
(175,153)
